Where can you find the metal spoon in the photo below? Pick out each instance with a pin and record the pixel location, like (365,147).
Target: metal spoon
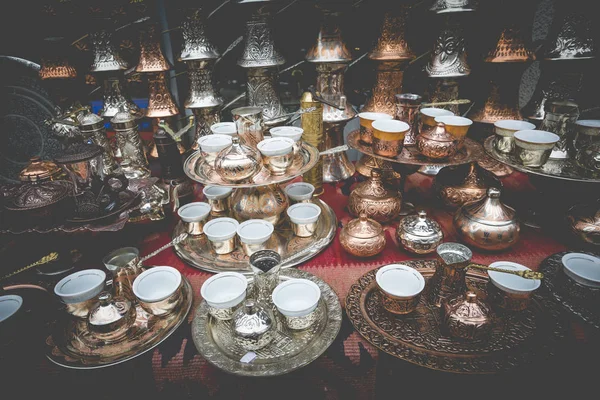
(527,274)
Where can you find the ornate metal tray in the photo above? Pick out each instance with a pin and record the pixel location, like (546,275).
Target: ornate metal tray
(516,339)
(581,301)
(71,345)
(197,251)
(472,151)
(558,169)
(289,351)
(131,201)
(307,157)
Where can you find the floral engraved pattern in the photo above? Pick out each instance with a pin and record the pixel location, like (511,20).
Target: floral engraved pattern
(449,57)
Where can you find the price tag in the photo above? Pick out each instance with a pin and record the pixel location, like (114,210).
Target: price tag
(248,357)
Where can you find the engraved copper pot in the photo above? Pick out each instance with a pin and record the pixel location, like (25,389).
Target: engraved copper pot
(388,83)
(336,167)
(55,63)
(510,47)
(571,36)
(407,110)
(130,145)
(487,224)
(151,55)
(363,237)
(261,91)
(106,57)
(391,44)
(450,273)
(116,99)
(437,143)
(462,184)
(584,222)
(502,102)
(419,234)
(263,202)
(196,45)
(330,47)
(259,43)
(330,85)
(160,102)
(467,317)
(374,199)
(365,165)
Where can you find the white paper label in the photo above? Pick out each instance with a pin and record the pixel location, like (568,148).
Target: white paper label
(248,357)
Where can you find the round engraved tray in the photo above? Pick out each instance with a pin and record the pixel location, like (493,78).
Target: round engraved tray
(289,350)
(419,338)
(305,159)
(71,345)
(197,251)
(577,299)
(559,169)
(471,151)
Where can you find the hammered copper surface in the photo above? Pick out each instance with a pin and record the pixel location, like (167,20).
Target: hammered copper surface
(375,199)
(515,339)
(388,83)
(438,143)
(461,184)
(289,349)
(501,103)
(510,47)
(304,160)
(151,55)
(363,237)
(449,58)
(467,317)
(579,300)
(392,44)
(197,252)
(71,344)
(160,101)
(584,221)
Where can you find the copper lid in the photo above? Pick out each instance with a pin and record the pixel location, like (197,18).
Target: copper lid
(420,225)
(490,210)
(438,134)
(364,227)
(78,153)
(39,170)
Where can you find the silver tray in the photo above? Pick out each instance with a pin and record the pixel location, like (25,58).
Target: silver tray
(557,169)
(197,251)
(305,159)
(289,351)
(72,346)
(472,151)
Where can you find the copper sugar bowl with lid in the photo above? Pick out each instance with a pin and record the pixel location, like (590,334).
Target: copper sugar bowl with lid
(487,224)
(467,317)
(363,237)
(458,185)
(419,234)
(39,170)
(375,199)
(438,143)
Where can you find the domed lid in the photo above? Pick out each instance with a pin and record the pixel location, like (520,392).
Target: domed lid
(438,134)
(375,188)
(420,225)
(364,227)
(79,152)
(490,210)
(468,309)
(124,120)
(90,122)
(39,170)
(251,320)
(37,195)
(109,311)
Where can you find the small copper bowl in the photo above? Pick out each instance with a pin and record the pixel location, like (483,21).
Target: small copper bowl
(401,287)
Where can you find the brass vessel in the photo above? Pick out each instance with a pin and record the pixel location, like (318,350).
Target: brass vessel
(461,184)
(312,125)
(363,237)
(584,222)
(437,143)
(419,234)
(467,317)
(111,318)
(374,199)
(262,202)
(336,166)
(238,162)
(160,102)
(152,58)
(487,224)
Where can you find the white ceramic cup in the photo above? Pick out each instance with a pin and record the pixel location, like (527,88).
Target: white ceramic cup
(223,293)
(291,132)
(224,128)
(512,283)
(533,147)
(297,300)
(278,154)
(80,286)
(221,233)
(211,145)
(193,216)
(9,305)
(582,268)
(156,284)
(304,217)
(433,112)
(253,234)
(300,192)
(400,280)
(505,131)
(219,199)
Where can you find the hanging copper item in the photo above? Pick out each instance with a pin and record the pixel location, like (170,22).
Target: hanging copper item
(151,55)
(106,57)
(336,166)
(196,45)
(502,102)
(449,58)
(160,102)
(461,184)
(312,125)
(205,118)
(487,224)
(261,91)
(374,198)
(202,92)
(407,110)
(467,317)
(391,44)
(55,64)
(92,129)
(388,83)
(116,99)
(259,43)
(570,37)
(449,6)
(330,47)
(511,47)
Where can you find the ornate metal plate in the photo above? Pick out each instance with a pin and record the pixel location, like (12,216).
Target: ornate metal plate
(419,338)
(24,133)
(558,169)
(132,201)
(307,157)
(198,252)
(72,346)
(471,151)
(289,350)
(577,299)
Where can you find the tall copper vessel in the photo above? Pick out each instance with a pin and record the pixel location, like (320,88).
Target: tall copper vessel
(117,99)
(152,58)
(336,166)
(202,92)
(160,102)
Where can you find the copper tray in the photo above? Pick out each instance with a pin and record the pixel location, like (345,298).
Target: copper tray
(307,157)
(579,300)
(472,151)
(557,169)
(72,346)
(289,350)
(198,252)
(516,339)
